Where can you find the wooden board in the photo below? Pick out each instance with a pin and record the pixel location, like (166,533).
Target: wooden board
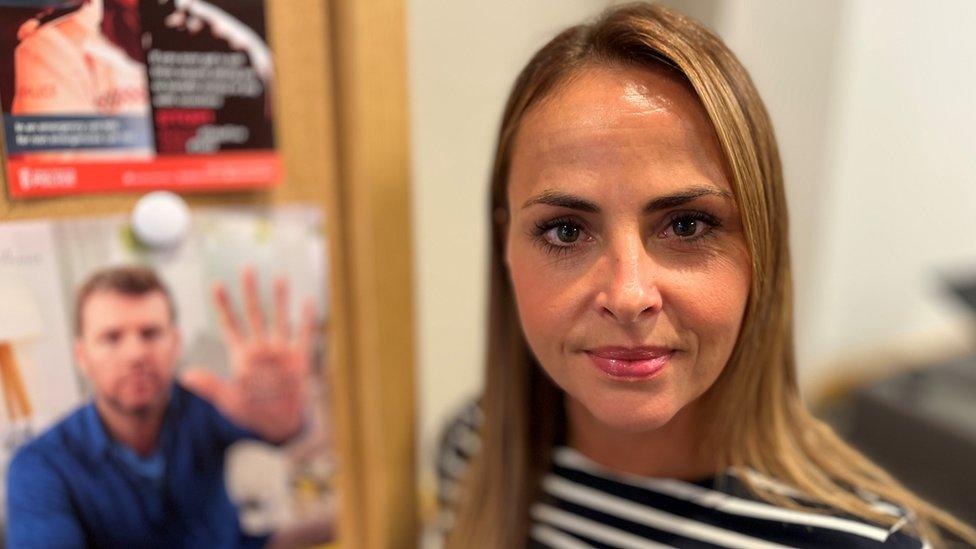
(370,41)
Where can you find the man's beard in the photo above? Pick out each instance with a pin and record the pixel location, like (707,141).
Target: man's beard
(142,411)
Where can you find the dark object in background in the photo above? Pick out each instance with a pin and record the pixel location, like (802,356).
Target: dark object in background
(921,427)
(965,289)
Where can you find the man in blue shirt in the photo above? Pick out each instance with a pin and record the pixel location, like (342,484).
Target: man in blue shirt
(142,465)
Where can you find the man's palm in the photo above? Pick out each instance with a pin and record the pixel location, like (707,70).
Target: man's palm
(270,363)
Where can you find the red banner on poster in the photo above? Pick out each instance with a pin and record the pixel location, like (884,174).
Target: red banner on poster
(230,170)
(120,95)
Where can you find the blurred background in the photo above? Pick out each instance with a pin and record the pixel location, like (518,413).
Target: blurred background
(872,103)
(873,108)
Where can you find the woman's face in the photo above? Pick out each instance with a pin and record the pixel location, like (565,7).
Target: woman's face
(624,245)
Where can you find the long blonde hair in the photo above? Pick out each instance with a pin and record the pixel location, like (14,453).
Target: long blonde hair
(758,419)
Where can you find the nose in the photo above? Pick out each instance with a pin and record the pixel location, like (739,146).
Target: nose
(631,289)
(134,348)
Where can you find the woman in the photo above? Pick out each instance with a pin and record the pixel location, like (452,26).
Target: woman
(641,384)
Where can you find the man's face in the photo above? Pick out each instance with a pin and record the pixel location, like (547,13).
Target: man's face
(128,348)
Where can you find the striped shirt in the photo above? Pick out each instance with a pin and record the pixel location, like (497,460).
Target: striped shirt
(585,505)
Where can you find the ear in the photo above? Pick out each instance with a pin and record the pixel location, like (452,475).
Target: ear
(81,357)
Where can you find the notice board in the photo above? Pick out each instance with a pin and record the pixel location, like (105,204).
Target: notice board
(114,95)
(340,138)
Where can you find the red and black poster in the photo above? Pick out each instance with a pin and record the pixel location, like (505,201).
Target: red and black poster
(116,95)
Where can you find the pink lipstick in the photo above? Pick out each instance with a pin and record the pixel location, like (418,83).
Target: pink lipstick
(630,363)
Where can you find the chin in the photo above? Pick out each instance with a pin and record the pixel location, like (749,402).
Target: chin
(629,412)
(140,410)
(133,402)
(141,400)
(131,407)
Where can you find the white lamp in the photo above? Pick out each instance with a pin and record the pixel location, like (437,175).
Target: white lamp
(20,322)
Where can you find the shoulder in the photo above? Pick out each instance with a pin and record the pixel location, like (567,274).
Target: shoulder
(821,520)
(59,441)
(37,460)
(194,409)
(714,511)
(459,442)
(461,434)
(190,403)
(193,413)
(41,505)
(203,420)
(29,461)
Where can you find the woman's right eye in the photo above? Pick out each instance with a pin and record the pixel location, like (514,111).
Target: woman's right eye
(560,235)
(564,234)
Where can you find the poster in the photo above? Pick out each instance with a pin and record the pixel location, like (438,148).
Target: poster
(132,95)
(43,264)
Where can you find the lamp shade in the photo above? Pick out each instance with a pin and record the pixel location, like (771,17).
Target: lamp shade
(19,315)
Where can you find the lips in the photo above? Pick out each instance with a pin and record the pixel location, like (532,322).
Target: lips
(142,380)
(630,363)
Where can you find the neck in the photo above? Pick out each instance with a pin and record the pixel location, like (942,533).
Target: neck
(670,451)
(140,432)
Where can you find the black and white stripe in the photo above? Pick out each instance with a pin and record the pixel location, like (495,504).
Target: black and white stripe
(458,444)
(583,501)
(585,505)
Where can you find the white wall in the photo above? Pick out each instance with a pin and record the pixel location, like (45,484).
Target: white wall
(903,169)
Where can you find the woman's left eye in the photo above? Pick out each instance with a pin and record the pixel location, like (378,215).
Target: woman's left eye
(690,226)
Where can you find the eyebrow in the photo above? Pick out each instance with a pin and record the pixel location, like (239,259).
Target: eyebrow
(566,200)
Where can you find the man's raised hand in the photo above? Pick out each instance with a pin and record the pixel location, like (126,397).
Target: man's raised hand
(270,362)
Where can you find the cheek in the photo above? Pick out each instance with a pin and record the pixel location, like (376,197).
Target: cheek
(104,377)
(165,349)
(547,297)
(165,356)
(535,309)
(711,304)
(99,365)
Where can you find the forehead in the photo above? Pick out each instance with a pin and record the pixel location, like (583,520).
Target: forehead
(105,309)
(609,123)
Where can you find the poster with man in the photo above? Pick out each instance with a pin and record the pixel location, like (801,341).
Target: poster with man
(166,397)
(115,95)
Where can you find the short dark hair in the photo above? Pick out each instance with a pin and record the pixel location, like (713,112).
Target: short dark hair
(130,280)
